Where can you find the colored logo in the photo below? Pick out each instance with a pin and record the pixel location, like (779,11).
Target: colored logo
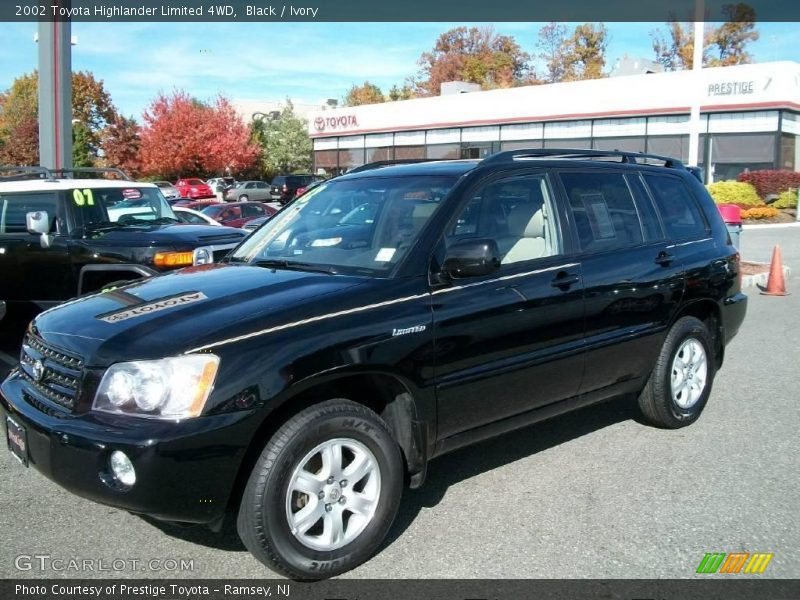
(735,562)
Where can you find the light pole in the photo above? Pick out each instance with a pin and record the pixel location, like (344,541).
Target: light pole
(697,65)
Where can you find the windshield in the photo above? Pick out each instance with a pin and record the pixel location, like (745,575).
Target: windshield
(194,182)
(363,225)
(123,206)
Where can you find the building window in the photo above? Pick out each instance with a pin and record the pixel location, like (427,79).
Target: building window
(788,152)
(733,153)
(569,143)
(351,158)
(326,161)
(521,145)
(403,152)
(376,154)
(443,151)
(676,146)
(626,144)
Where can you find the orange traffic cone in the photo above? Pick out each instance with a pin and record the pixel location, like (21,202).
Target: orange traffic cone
(775,284)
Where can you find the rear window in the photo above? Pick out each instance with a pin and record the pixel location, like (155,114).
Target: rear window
(278,180)
(682,217)
(605,214)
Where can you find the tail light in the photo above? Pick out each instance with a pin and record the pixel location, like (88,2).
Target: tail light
(285,188)
(300,191)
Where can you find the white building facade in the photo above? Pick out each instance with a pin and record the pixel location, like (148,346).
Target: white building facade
(750,118)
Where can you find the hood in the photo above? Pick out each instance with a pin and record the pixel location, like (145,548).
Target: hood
(170,235)
(170,314)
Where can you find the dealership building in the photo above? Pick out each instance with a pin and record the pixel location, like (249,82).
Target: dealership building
(750,119)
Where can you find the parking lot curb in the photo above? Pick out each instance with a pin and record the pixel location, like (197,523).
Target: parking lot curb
(761,278)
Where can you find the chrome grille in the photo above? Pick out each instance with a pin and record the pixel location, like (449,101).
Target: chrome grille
(50,373)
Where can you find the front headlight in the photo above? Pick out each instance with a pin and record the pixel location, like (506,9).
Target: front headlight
(170,388)
(203,256)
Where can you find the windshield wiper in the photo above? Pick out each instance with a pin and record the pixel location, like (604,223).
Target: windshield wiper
(295,266)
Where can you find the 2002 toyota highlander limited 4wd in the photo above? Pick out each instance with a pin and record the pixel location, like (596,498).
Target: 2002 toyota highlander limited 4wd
(382,319)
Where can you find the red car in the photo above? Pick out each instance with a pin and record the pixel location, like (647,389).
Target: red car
(197,204)
(236,214)
(194,188)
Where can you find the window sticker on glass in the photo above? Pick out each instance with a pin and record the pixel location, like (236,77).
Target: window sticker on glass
(83,197)
(385,254)
(599,217)
(131,194)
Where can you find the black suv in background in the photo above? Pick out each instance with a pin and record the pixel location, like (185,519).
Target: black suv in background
(284,187)
(62,236)
(385,318)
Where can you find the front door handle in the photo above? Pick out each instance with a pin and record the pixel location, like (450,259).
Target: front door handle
(664,258)
(564,280)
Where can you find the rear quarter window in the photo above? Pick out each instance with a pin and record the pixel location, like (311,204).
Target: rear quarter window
(680,212)
(14,208)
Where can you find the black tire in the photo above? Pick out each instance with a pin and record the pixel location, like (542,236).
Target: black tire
(263,523)
(656,399)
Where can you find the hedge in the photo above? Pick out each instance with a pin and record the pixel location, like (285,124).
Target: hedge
(760,212)
(741,194)
(787,199)
(768,182)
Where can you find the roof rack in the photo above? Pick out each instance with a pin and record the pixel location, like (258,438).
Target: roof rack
(388,163)
(578,153)
(20,173)
(94,170)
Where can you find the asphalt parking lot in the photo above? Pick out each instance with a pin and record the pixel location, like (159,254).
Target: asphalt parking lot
(593,494)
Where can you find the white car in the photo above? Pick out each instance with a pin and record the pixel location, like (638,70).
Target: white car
(193,217)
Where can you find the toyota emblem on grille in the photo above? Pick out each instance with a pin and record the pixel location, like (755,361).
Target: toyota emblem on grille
(38,370)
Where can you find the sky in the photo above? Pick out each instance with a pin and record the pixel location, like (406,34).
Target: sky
(272,61)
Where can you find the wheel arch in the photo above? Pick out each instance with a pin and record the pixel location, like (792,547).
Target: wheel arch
(709,312)
(390,396)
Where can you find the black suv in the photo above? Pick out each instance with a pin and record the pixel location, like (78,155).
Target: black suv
(383,319)
(61,236)
(284,187)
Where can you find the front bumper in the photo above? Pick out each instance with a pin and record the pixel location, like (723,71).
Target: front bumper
(185,471)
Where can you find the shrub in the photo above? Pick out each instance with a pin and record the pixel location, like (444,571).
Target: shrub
(760,212)
(741,194)
(787,199)
(769,182)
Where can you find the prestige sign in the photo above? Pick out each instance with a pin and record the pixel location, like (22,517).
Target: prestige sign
(335,122)
(731,88)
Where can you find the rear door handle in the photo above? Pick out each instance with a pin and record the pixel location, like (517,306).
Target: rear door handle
(564,280)
(664,258)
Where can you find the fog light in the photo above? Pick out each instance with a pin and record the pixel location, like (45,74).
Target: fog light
(122,468)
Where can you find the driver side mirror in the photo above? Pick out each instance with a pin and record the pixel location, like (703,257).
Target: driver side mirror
(471,258)
(38,223)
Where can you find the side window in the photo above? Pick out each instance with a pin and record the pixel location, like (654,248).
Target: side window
(651,226)
(517,213)
(679,211)
(261,185)
(14,208)
(250,186)
(252,210)
(604,212)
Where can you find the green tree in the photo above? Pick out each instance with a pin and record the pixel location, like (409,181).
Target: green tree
(732,37)
(92,111)
(286,146)
(723,45)
(400,93)
(587,46)
(82,152)
(476,55)
(551,43)
(367,93)
(573,56)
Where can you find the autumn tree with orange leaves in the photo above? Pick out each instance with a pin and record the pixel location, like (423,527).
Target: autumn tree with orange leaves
(183,137)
